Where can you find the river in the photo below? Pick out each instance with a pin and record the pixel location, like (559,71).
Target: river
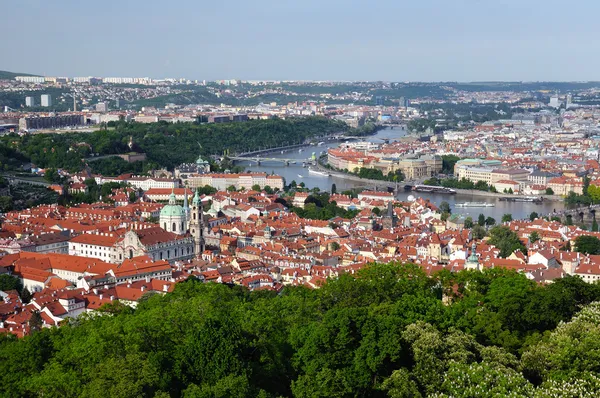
(294,171)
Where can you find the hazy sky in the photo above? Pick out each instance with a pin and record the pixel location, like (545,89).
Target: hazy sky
(420,40)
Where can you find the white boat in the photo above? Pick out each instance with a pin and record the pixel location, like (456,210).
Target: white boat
(475,204)
(321,143)
(300,176)
(299,150)
(317,172)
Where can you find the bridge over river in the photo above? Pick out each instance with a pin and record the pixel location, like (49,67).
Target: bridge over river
(585,215)
(259,160)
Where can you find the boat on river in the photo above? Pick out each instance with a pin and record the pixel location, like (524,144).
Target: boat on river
(433,189)
(475,204)
(317,172)
(531,199)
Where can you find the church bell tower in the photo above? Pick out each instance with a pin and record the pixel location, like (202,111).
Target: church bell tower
(197,225)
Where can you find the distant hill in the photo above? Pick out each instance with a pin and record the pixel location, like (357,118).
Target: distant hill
(11,75)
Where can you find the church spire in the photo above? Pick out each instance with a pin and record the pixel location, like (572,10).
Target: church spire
(196,199)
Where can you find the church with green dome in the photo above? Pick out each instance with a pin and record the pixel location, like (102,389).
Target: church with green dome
(173,217)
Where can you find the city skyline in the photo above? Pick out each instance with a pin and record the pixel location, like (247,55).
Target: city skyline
(430,41)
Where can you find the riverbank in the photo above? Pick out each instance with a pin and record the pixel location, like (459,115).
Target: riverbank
(475,192)
(385,184)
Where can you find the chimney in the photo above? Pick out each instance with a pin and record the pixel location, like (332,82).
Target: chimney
(112,298)
(143,288)
(100,295)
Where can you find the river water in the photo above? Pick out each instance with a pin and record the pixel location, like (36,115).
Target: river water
(295,172)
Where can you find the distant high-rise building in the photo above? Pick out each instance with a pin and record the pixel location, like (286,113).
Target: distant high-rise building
(554,102)
(379,100)
(118,103)
(29,101)
(569,101)
(46,100)
(102,107)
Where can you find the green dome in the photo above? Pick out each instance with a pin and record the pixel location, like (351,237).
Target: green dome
(172,211)
(201,161)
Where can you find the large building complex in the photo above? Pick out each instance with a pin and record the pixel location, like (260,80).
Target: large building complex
(412,167)
(224,181)
(50,122)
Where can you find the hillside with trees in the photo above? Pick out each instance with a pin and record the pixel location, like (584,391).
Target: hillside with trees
(166,144)
(389,330)
(6,75)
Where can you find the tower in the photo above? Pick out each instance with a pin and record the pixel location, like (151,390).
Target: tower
(197,225)
(46,100)
(473,261)
(186,207)
(389,220)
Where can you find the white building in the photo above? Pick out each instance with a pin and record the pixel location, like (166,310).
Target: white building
(46,100)
(30,79)
(144,183)
(100,246)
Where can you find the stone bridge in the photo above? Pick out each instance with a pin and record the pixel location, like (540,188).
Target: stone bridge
(585,215)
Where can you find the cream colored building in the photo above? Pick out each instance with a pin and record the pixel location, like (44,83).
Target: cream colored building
(223,181)
(474,174)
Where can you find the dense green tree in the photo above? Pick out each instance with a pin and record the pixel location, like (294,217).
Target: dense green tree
(9,282)
(6,204)
(533,215)
(534,237)
(587,244)
(481,220)
(25,295)
(490,221)
(483,380)
(549,191)
(468,222)
(445,207)
(505,240)
(333,189)
(507,217)
(52,176)
(448,162)
(400,385)
(478,232)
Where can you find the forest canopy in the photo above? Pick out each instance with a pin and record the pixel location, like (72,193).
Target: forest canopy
(389,330)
